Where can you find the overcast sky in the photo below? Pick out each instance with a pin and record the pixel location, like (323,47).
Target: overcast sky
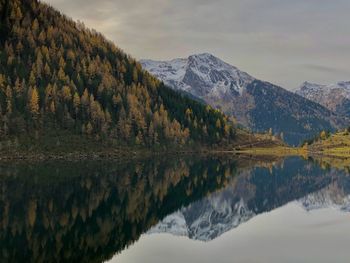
(285,42)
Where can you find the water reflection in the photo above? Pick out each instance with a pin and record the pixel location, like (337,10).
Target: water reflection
(87,212)
(257,191)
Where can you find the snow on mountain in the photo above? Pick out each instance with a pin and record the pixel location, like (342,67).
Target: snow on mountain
(216,217)
(206,219)
(171,72)
(174,224)
(310,89)
(202,75)
(335,97)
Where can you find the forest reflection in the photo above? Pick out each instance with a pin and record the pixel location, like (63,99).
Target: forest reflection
(88,212)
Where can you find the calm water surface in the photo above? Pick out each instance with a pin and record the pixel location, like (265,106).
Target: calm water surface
(190,209)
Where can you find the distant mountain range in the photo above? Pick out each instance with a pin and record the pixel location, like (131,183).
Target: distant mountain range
(255,104)
(335,97)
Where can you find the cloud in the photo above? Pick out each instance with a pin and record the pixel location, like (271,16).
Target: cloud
(265,38)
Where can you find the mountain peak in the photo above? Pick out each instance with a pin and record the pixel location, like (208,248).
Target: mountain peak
(207,57)
(335,97)
(204,75)
(203,55)
(306,86)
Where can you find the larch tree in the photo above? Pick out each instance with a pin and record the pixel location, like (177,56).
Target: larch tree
(34,102)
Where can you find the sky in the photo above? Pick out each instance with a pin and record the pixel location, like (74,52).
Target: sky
(285,42)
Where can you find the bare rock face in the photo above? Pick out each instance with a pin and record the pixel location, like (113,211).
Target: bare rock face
(255,104)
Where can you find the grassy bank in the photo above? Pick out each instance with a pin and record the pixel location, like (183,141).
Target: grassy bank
(326,145)
(278,150)
(335,145)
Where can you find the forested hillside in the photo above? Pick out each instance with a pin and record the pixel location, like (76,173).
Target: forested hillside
(57,75)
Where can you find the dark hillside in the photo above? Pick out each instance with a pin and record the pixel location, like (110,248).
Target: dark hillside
(57,75)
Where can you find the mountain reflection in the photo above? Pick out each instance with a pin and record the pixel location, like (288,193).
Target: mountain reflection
(87,212)
(257,191)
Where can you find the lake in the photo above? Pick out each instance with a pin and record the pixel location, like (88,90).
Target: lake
(219,208)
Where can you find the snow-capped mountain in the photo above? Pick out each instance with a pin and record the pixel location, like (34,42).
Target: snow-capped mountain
(335,97)
(202,75)
(255,104)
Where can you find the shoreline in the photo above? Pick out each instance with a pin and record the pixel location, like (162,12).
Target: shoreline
(105,155)
(121,153)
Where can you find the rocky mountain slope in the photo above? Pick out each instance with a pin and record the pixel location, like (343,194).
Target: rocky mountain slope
(335,97)
(255,104)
